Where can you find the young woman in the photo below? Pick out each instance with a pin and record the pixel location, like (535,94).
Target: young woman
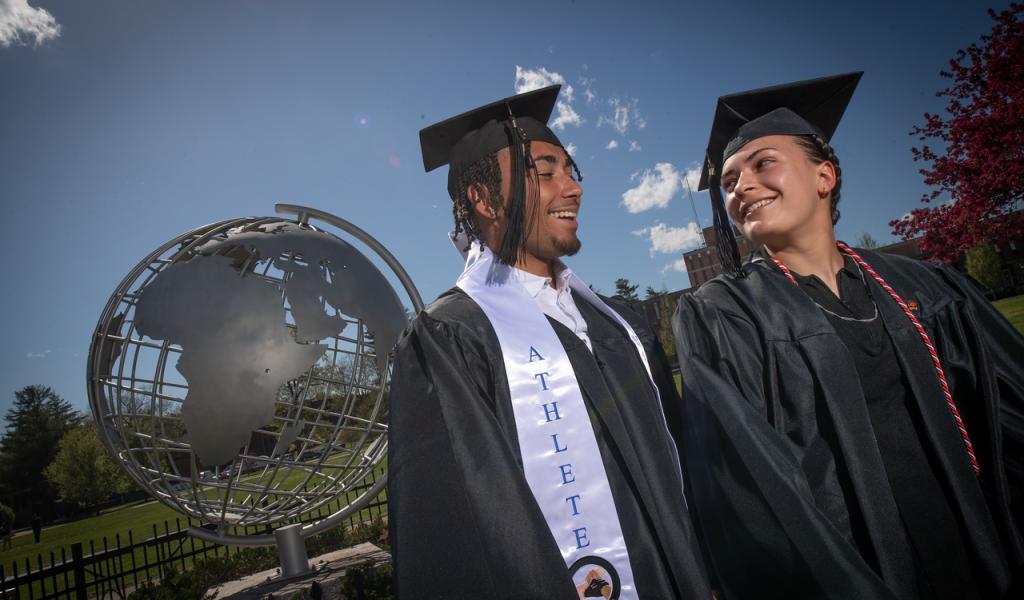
(853,421)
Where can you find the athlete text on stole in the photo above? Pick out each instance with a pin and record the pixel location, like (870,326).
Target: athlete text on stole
(551,415)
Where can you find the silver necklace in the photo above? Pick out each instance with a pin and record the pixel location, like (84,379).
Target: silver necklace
(854,319)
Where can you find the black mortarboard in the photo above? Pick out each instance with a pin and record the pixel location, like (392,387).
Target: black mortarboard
(464,139)
(810,107)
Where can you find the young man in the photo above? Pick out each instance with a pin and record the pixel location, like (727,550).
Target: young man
(529,455)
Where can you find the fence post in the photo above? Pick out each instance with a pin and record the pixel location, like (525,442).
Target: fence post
(79,566)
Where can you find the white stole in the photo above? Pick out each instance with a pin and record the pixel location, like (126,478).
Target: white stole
(561,459)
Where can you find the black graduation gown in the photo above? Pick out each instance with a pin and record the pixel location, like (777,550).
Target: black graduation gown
(463,521)
(780,453)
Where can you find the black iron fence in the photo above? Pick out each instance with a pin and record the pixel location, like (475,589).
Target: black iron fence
(114,568)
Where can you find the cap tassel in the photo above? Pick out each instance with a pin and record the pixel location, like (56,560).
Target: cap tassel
(725,240)
(514,241)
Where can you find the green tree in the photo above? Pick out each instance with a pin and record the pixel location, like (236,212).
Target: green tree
(83,471)
(625,290)
(35,425)
(666,307)
(866,241)
(983,264)
(6,519)
(650,292)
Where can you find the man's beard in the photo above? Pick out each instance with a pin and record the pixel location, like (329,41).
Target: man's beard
(566,247)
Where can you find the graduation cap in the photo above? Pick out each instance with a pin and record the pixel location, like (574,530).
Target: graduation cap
(810,107)
(465,139)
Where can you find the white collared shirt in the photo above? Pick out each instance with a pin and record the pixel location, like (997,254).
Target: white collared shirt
(556,302)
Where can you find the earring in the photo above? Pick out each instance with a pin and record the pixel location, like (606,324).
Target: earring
(494,213)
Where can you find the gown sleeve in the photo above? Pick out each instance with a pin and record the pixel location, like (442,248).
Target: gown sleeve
(755,512)
(461,521)
(661,368)
(993,351)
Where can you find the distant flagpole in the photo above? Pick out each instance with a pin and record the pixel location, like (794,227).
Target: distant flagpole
(696,220)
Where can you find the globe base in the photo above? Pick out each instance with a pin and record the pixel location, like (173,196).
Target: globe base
(291,551)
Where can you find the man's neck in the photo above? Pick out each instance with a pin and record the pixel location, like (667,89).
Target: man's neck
(531,264)
(538,267)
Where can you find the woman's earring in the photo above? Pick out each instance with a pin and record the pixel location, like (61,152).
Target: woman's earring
(494,214)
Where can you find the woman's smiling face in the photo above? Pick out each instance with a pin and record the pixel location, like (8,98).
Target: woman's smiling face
(774,192)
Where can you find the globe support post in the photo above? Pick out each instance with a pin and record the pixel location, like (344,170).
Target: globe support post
(291,551)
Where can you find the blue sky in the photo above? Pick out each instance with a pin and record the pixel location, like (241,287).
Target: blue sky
(124,124)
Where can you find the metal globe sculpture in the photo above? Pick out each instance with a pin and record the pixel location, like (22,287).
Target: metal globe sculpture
(239,373)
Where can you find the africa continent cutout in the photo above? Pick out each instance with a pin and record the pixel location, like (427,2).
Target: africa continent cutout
(236,349)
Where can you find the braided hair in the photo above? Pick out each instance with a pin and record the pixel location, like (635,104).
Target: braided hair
(819,151)
(485,172)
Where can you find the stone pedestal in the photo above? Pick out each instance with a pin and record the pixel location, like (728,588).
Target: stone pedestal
(327,573)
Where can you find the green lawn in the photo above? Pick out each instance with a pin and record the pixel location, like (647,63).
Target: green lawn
(139,517)
(1013,310)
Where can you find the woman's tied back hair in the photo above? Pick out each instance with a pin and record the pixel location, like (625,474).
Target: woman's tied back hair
(819,151)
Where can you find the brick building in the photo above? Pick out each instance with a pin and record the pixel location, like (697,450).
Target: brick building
(702,264)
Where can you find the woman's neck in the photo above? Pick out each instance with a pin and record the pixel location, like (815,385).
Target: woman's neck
(812,255)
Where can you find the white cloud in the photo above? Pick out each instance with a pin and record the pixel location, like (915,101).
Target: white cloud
(588,92)
(668,240)
(571,149)
(678,265)
(624,115)
(20,22)
(566,114)
(37,354)
(634,146)
(532,79)
(655,188)
(612,145)
(566,93)
(692,176)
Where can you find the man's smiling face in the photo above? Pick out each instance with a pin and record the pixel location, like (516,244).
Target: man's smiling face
(553,202)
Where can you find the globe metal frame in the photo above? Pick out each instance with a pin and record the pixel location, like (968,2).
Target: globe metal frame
(116,388)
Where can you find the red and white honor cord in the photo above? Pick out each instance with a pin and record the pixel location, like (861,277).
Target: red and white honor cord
(924,338)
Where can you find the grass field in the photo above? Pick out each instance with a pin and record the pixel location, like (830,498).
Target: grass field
(1013,310)
(138,517)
